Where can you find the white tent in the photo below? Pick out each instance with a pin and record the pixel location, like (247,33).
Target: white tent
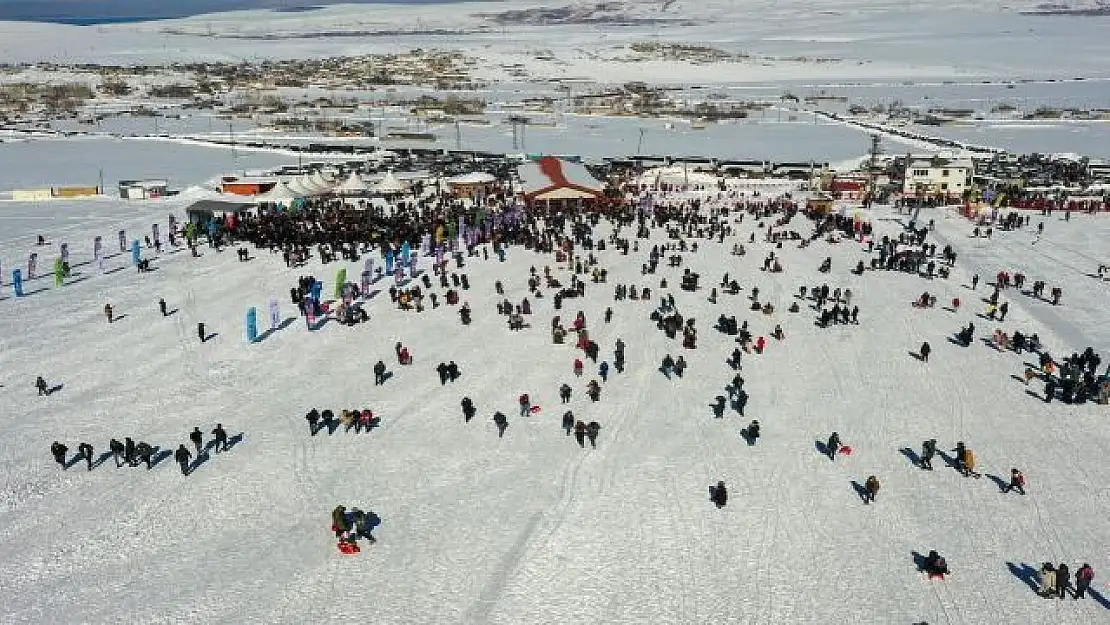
(354,185)
(389,185)
(280,194)
(301,187)
(313,187)
(476,177)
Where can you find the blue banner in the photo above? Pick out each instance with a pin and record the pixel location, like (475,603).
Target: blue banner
(405,253)
(317,288)
(17,282)
(389,261)
(252,325)
(136,252)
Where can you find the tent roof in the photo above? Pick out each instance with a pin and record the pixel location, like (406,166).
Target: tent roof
(281,193)
(390,184)
(353,184)
(552,173)
(474,177)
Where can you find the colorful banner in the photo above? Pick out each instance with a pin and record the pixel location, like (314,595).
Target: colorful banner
(136,252)
(17,282)
(59,272)
(32,263)
(252,325)
(405,252)
(389,261)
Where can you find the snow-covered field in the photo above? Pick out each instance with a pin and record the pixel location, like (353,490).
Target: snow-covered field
(861,40)
(529,529)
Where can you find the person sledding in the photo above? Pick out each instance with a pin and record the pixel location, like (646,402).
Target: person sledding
(935,566)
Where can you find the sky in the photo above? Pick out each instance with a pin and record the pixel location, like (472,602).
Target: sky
(107,11)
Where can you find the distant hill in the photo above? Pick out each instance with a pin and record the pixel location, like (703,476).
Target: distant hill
(89,12)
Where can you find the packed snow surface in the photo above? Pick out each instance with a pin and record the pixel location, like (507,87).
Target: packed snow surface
(531,528)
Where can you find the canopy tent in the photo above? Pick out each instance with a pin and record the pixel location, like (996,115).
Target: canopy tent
(353,185)
(390,185)
(476,177)
(321,181)
(301,188)
(280,194)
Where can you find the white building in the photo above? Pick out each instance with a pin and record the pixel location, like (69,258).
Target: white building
(938,176)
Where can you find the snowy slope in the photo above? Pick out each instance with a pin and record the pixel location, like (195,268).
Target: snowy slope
(530,528)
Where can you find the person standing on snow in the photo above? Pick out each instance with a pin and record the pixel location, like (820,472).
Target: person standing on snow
(1017,482)
(564,393)
(1063,580)
(502,422)
(197,438)
(441,369)
(568,421)
(468,409)
(525,404)
(58,450)
(580,433)
(379,373)
(928,450)
(592,430)
(108,312)
(1083,578)
(924,351)
(182,456)
(603,371)
(40,384)
(220,435)
(144,451)
(1048,580)
(872,487)
(162,306)
(86,451)
(339,523)
(832,447)
(719,494)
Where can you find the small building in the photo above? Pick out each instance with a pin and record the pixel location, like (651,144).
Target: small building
(142,189)
(246,186)
(550,182)
(937,176)
(472,185)
(848,186)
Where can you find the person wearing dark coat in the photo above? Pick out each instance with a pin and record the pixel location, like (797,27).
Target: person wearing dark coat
(502,422)
(162,306)
(117,448)
(86,451)
(452,371)
(719,495)
(592,430)
(924,351)
(468,409)
(197,438)
(928,450)
(564,393)
(129,451)
(833,446)
(58,450)
(40,384)
(182,456)
(1063,580)
(580,433)
(220,435)
(568,421)
(144,452)
(379,373)
(751,433)
(313,416)
(441,369)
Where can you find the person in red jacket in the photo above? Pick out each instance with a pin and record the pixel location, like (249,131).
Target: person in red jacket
(1083,578)
(525,404)
(1017,482)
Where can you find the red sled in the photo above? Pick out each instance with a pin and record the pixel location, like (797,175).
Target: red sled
(348,547)
(939,576)
(534,409)
(847,451)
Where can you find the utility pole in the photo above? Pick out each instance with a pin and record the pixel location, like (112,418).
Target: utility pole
(872,167)
(234,152)
(640,143)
